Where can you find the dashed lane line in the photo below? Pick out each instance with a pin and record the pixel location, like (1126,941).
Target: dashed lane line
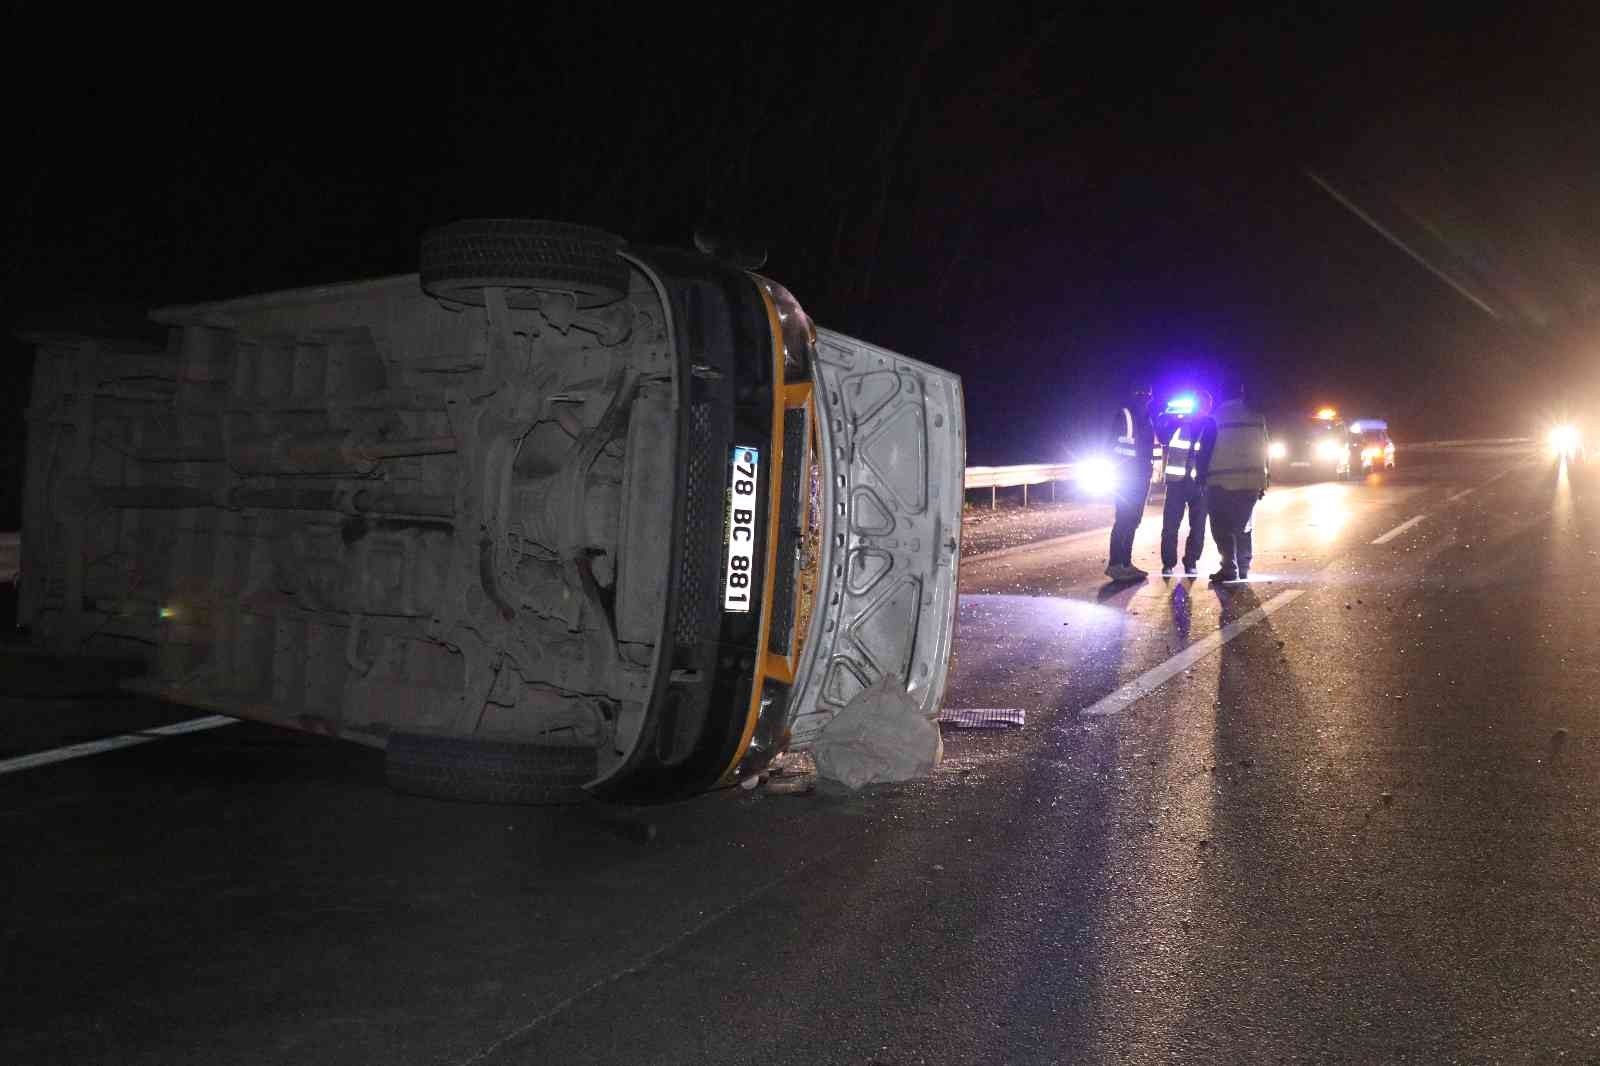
(1464,493)
(1399,529)
(1151,680)
(105,744)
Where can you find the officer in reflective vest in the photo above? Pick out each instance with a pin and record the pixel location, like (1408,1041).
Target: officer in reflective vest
(1185,437)
(1133,449)
(1233,467)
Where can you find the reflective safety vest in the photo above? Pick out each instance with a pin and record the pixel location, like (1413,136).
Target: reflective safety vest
(1126,447)
(1239,456)
(1181,453)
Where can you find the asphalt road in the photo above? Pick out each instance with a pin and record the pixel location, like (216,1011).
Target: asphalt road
(1354,820)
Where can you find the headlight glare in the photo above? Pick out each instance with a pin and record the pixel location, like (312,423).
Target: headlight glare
(1096,476)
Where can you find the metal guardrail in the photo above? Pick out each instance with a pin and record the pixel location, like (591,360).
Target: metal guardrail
(1430,445)
(1006,477)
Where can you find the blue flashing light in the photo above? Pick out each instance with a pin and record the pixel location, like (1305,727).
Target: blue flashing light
(1181,405)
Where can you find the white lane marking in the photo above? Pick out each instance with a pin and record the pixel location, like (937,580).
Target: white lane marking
(125,740)
(1152,679)
(1464,493)
(192,725)
(1399,529)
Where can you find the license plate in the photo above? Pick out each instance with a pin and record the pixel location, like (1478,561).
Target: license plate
(740,569)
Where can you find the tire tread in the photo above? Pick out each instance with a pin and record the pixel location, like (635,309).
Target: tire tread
(461,259)
(482,771)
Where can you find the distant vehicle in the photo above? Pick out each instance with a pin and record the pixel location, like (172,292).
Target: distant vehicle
(1371,450)
(1567,443)
(1311,448)
(558,516)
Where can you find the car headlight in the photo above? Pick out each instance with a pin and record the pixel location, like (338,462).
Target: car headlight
(1328,449)
(1096,476)
(1277,450)
(1371,453)
(1565,438)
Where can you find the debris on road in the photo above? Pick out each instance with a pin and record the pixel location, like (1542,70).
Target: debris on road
(982,717)
(793,786)
(984,531)
(794,773)
(880,737)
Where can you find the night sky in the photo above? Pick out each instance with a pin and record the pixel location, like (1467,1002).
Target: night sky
(1045,200)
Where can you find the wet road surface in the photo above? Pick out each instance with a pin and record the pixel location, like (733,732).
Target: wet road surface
(1346,812)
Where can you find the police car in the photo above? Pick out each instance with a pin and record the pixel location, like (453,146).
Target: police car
(1312,448)
(1371,449)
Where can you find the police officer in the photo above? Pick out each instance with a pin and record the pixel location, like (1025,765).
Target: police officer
(1133,449)
(1185,437)
(1233,467)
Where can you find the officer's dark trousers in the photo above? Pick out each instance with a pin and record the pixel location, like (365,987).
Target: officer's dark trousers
(1133,489)
(1232,519)
(1183,495)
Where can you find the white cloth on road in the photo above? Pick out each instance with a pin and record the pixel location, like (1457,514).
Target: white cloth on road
(879,737)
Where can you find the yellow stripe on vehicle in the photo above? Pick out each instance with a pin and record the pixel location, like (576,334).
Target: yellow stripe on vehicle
(774,509)
(796,397)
